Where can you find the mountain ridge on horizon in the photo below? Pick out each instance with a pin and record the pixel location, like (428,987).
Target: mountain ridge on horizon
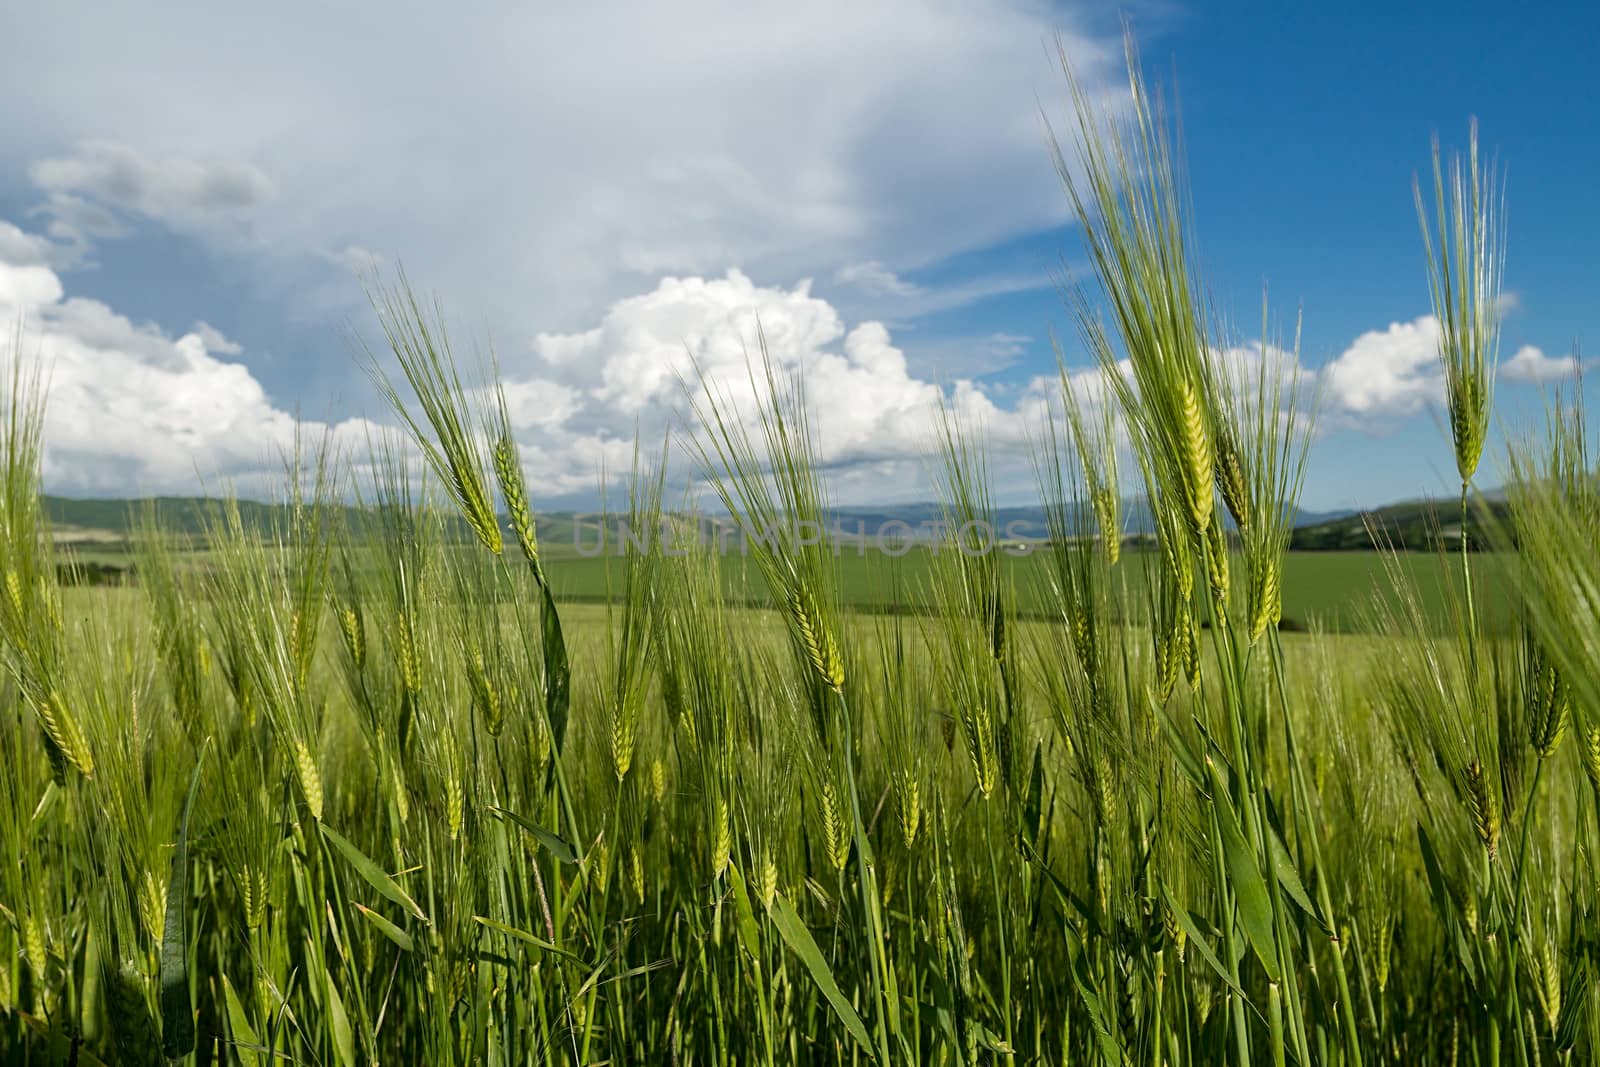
(117,517)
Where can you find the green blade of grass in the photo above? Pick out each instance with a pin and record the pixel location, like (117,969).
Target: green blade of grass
(177,1016)
(794,933)
(245,1041)
(529,939)
(387,928)
(559,848)
(372,873)
(344,1038)
(1186,923)
(749,933)
(1289,878)
(1249,886)
(557,671)
(1111,1050)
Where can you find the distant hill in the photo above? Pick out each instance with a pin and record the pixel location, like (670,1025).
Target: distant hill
(118,518)
(1022,523)
(1419,524)
(107,525)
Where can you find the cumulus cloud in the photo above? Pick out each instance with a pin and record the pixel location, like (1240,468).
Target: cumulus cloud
(1531,366)
(1386,373)
(133,410)
(579,397)
(1252,364)
(24,289)
(136,409)
(22,249)
(651,353)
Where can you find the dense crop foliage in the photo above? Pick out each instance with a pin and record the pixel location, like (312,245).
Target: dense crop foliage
(349,790)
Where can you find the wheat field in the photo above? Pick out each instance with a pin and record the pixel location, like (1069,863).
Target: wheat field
(356,792)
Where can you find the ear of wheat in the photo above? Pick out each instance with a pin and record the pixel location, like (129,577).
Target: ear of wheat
(1464,273)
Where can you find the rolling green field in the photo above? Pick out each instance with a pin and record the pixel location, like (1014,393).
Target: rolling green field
(1336,591)
(366,790)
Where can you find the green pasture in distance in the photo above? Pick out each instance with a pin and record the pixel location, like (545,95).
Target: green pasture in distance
(1338,590)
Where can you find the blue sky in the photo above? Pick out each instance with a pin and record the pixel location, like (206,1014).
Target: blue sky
(187,202)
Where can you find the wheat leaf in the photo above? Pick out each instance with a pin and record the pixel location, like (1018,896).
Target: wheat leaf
(177,1015)
(793,931)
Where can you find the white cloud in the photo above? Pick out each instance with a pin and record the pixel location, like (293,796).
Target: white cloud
(536,164)
(135,409)
(1249,365)
(580,397)
(1530,365)
(132,410)
(21,249)
(872,285)
(80,222)
(1386,373)
(25,289)
(874,279)
(1391,373)
(950,358)
(215,340)
(356,260)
